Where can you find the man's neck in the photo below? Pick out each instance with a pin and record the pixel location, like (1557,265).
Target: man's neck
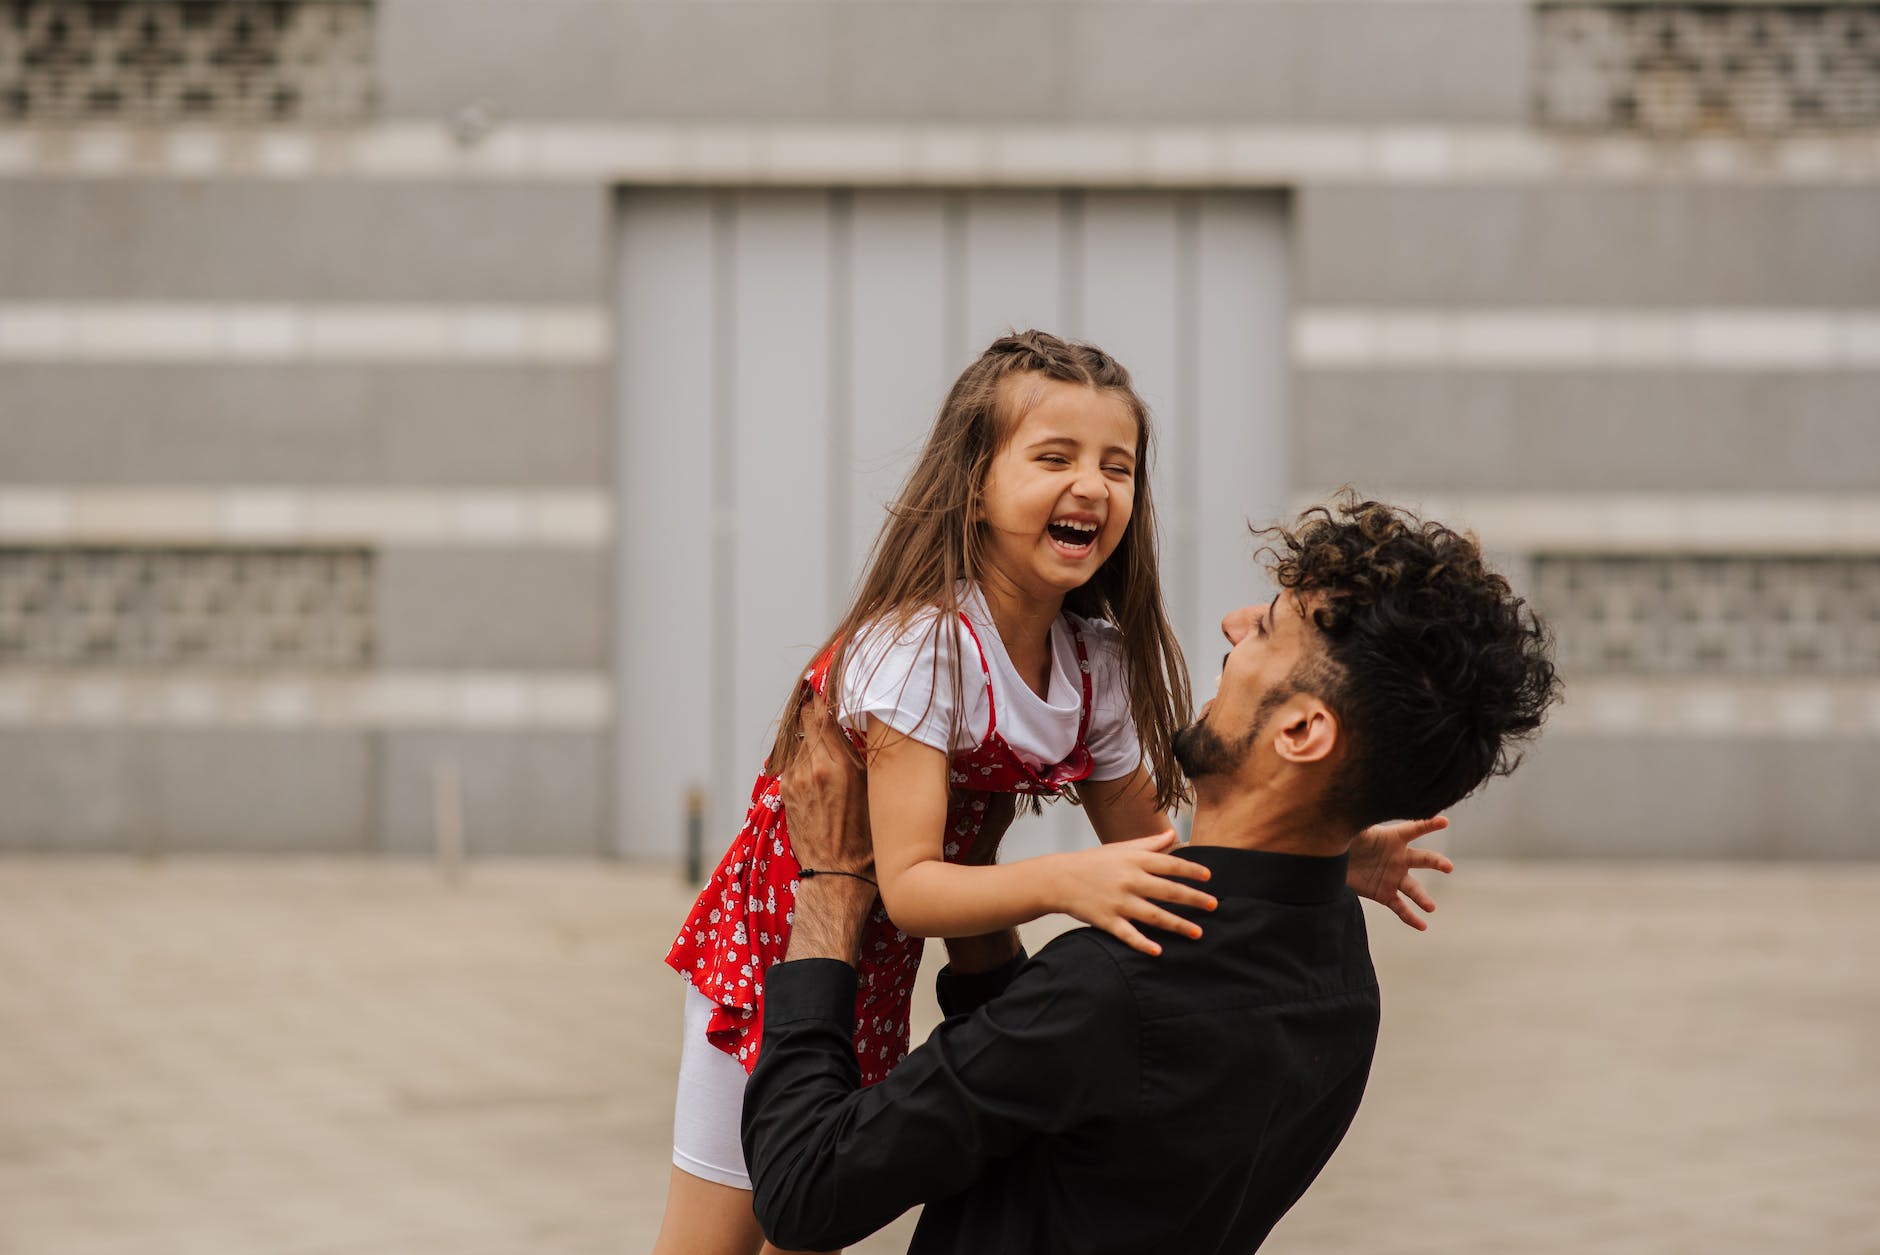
(1260,819)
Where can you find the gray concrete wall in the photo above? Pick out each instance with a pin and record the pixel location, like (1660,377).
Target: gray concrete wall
(1675,238)
(403,241)
(319,423)
(942,60)
(514,609)
(1575,431)
(1580,245)
(410,428)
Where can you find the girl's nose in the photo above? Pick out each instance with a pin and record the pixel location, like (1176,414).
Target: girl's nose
(1090,484)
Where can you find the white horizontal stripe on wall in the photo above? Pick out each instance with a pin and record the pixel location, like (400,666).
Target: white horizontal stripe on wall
(1655,523)
(179,699)
(1735,709)
(198,331)
(806,154)
(31,514)
(1710,338)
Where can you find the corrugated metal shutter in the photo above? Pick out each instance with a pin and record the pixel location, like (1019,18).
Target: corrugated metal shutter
(782,354)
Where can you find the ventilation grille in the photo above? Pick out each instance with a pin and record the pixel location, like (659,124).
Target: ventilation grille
(1685,69)
(258,608)
(1775,616)
(163,61)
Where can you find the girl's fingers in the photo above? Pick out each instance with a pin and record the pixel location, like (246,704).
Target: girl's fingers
(1431,860)
(1172,865)
(1126,932)
(1414,890)
(1159,841)
(1181,895)
(1169,922)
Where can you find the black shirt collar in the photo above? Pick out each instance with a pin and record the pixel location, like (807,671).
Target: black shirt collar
(1294,879)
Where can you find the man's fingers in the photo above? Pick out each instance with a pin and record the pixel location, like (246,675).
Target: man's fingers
(1402,907)
(811,715)
(814,721)
(1410,829)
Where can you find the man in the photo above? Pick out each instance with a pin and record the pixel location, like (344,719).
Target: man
(1100,1100)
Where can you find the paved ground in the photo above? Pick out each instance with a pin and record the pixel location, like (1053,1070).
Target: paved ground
(285,1058)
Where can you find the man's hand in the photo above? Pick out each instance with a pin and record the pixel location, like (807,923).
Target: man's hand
(1382,860)
(825,798)
(825,806)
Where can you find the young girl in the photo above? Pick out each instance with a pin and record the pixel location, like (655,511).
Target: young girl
(1008,637)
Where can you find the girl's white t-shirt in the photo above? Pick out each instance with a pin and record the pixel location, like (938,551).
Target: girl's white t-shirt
(891,676)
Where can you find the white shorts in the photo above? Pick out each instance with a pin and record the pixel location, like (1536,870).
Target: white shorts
(710,1104)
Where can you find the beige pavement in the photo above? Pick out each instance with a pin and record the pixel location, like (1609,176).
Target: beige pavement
(336,1058)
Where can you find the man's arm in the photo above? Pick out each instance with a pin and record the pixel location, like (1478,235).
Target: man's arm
(831,1162)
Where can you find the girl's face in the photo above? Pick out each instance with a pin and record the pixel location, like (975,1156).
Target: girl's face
(1058,495)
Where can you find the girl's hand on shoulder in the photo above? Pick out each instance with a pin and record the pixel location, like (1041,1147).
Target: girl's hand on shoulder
(1115,887)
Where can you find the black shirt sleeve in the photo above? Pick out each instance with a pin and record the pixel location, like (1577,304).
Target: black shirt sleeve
(960,992)
(831,1162)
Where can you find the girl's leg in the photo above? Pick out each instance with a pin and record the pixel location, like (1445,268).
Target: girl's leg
(706,1218)
(708,1199)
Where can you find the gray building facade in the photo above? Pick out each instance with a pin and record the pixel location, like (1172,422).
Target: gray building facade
(435,404)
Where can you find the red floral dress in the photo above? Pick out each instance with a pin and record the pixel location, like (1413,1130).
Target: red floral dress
(740,924)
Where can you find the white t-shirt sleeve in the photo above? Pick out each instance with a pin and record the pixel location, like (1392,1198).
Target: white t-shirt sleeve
(904,680)
(1115,751)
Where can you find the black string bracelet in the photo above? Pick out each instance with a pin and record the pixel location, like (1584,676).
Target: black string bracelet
(809,873)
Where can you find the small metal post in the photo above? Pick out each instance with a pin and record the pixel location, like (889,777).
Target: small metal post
(447,818)
(694,835)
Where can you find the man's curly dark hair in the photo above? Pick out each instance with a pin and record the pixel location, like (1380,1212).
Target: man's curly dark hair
(1437,672)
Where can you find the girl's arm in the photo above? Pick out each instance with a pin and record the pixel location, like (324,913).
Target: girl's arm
(1113,887)
(1123,809)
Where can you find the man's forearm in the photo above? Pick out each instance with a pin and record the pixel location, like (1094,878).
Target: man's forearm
(831,1162)
(830,914)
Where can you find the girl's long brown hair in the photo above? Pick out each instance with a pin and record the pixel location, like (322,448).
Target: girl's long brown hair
(931,542)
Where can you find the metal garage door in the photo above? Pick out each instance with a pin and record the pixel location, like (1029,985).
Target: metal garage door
(781,355)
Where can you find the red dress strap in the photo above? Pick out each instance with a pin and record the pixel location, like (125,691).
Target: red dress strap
(1083,672)
(992,707)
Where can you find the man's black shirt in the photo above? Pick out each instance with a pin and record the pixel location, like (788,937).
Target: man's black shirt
(1105,1102)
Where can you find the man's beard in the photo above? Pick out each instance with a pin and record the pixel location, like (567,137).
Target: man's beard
(1201,751)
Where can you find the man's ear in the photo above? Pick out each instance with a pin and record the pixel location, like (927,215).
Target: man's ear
(1307,730)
